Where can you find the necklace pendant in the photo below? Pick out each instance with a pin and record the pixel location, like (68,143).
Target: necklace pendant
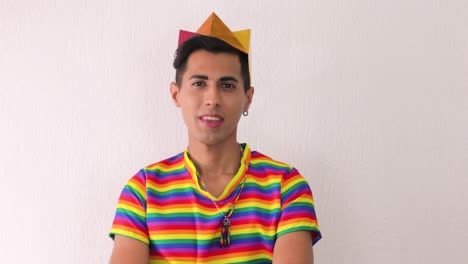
(225,240)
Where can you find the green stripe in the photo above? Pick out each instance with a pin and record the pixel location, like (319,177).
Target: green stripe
(255,261)
(261,187)
(296,187)
(188,215)
(136,193)
(164,171)
(130,213)
(170,192)
(260,164)
(259,209)
(177,241)
(253,235)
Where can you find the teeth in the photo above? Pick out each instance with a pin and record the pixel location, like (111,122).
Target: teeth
(211,118)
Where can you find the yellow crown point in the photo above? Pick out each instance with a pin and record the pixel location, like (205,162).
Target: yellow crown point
(244,38)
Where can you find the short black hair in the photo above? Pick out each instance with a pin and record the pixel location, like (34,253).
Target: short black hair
(210,44)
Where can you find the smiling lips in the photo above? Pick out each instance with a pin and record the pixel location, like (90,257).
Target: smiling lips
(211,121)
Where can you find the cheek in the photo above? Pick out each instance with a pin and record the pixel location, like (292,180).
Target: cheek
(186,110)
(189,109)
(241,105)
(237,109)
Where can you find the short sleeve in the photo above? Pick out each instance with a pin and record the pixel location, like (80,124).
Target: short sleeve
(130,216)
(297,207)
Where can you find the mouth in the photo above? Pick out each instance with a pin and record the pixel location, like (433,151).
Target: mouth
(211,121)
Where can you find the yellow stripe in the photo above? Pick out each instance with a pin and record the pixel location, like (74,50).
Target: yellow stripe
(209,234)
(305,199)
(241,230)
(290,183)
(188,235)
(165,210)
(295,223)
(165,168)
(123,232)
(273,204)
(171,186)
(271,180)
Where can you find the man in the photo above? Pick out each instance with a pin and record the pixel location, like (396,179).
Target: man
(218,201)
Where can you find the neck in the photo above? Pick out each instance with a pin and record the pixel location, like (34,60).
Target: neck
(215,160)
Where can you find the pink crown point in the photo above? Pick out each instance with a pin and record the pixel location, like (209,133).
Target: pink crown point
(184,35)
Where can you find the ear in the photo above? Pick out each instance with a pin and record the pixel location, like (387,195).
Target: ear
(175,89)
(249,94)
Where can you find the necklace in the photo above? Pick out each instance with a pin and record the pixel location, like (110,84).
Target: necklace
(225,239)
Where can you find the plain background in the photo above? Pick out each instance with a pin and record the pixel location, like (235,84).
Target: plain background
(368,99)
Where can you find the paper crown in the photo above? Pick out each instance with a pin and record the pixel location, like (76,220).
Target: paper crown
(214,27)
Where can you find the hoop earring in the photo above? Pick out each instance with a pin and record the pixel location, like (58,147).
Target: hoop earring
(245,113)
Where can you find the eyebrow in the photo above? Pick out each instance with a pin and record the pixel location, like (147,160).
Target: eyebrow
(222,79)
(228,78)
(199,76)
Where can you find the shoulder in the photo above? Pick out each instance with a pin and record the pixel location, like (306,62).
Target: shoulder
(162,167)
(290,177)
(259,160)
(175,162)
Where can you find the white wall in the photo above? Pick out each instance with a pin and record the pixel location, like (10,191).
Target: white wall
(368,99)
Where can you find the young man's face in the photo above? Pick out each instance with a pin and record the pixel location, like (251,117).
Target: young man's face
(212,97)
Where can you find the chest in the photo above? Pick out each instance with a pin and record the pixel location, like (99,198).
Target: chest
(182,222)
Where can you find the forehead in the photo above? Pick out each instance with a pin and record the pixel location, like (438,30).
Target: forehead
(213,64)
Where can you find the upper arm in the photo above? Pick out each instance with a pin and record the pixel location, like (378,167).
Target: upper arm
(294,248)
(297,208)
(129,228)
(297,229)
(129,251)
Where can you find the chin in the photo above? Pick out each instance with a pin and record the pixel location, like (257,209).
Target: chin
(212,140)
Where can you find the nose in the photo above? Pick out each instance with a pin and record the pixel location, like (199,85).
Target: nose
(212,96)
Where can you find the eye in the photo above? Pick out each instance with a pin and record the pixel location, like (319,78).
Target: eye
(228,85)
(198,83)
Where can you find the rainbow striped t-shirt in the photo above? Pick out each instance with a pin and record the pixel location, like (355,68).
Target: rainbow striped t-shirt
(164,206)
